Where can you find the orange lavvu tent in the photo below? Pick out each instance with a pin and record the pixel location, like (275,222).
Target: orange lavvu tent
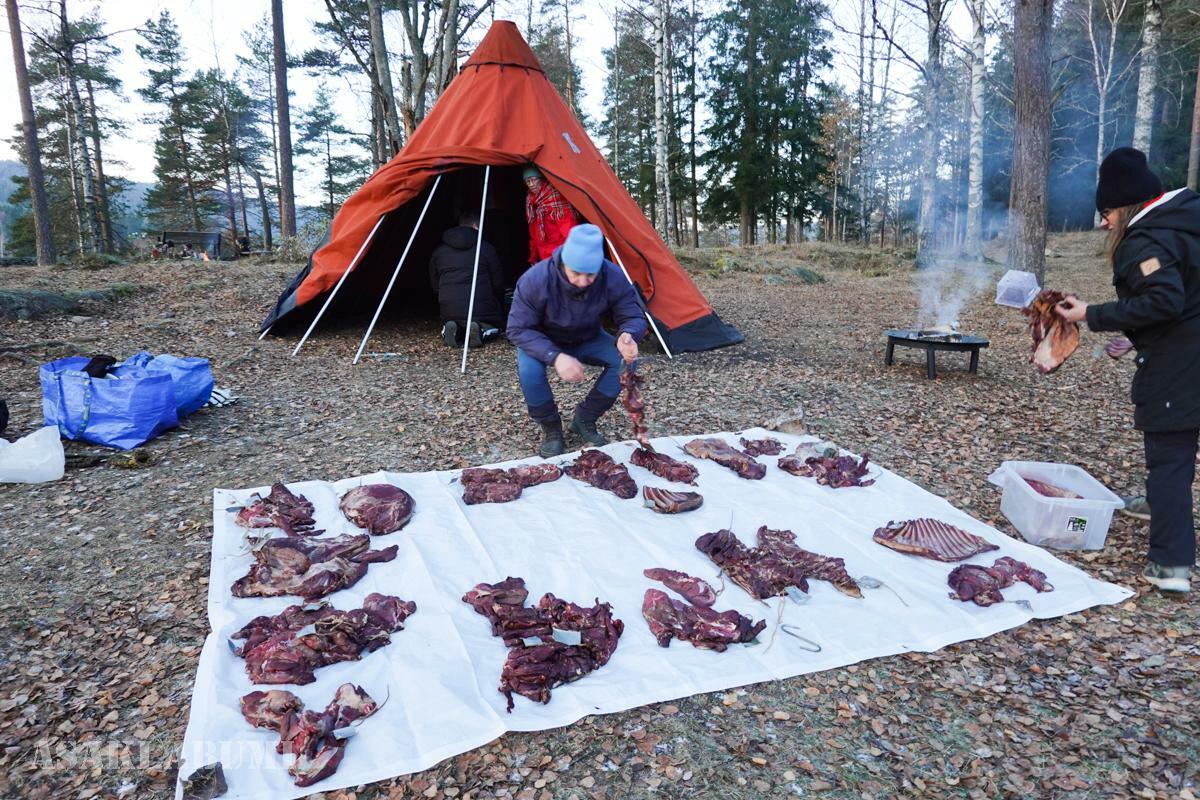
(501,112)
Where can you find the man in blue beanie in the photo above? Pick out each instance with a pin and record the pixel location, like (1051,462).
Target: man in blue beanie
(555,321)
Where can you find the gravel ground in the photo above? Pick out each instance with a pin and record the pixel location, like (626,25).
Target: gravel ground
(103,575)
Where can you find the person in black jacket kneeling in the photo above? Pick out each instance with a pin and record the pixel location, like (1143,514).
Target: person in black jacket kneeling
(450,272)
(1154,249)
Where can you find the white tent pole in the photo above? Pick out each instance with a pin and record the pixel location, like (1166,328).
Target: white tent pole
(396,273)
(649,318)
(263,335)
(341,280)
(487,172)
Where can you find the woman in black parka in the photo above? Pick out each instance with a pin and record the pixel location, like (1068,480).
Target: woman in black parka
(1154,249)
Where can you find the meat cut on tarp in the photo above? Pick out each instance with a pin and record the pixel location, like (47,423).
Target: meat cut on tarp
(983,584)
(827,467)
(664,501)
(665,467)
(292,513)
(1054,339)
(289,646)
(378,507)
(635,405)
(932,538)
(598,469)
(483,485)
(309,568)
(761,447)
(538,659)
(703,627)
(317,739)
(696,591)
(723,453)
(774,564)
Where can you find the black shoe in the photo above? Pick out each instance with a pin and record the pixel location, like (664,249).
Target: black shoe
(450,333)
(491,333)
(475,335)
(552,439)
(587,429)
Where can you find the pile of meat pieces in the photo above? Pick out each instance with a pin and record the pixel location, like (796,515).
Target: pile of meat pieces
(309,568)
(761,447)
(1054,339)
(932,538)
(723,453)
(288,647)
(378,507)
(598,469)
(537,662)
(775,564)
(983,584)
(829,469)
(318,740)
(693,621)
(482,485)
(292,513)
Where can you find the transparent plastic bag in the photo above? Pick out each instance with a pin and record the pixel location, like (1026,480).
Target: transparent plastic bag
(35,458)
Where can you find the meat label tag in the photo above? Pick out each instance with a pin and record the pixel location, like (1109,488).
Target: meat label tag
(1077,524)
(532,641)
(567,637)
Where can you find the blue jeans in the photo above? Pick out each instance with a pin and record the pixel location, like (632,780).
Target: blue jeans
(598,352)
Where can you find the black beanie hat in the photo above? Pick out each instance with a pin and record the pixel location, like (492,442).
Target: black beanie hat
(1125,180)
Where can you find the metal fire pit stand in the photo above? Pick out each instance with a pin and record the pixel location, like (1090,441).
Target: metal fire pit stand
(960,344)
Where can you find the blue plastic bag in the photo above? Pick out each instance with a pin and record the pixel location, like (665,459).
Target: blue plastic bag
(192,377)
(121,411)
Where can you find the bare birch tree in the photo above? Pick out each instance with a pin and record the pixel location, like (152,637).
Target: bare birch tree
(383,78)
(1143,127)
(975,158)
(1103,46)
(662,166)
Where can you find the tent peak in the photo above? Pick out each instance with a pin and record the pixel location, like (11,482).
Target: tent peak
(504,45)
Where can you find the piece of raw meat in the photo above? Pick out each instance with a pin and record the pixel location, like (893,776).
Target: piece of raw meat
(665,501)
(635,405)
(309,568)
(664,466)
(275,710)
(705,628)
(597,468)
(290,646)
(932,538)
(833,470)
(761,447)
(774,564)
(696,590)
(292,513)
(814,565)
(378,507)
(983,584)
(1050,490)
(1054,339)
(720,451)
(482,485)
(503,604)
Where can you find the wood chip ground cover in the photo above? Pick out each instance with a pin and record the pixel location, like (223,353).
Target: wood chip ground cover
(103,575)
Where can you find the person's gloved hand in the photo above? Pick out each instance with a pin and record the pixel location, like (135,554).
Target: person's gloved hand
(568,368)
(1117,347)
(627,347)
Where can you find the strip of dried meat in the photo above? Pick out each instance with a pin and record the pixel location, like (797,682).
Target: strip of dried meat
(292,513)
(378,507)
(664,466)
(723,453)
(1054,339)
(635,405)
(482,485)
(664,501)
(774,564)
(705,628)
(983,584)
(697,590)
(828,468)
(761,447)
(932,538)
(597,468)
(309,568)
(290,646)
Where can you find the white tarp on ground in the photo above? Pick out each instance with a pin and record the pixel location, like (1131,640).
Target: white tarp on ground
(440,673)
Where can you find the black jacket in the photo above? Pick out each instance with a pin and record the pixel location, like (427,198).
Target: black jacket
(1159,310)
(450,269)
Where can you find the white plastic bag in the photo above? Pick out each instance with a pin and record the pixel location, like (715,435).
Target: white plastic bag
(36,458)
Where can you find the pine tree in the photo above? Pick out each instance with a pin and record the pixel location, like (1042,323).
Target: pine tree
(328,143)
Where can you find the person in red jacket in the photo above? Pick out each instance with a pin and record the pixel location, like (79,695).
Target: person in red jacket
(549,214)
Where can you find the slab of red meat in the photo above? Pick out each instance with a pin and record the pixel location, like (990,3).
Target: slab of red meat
(1050,490)
(774,564)
(720,451)
(697,590)
(983,584)
(598,629)
(309,568)
(597,468)
(503,604)
(635,405)
(664,501)
(275,710)
(761,447)
(293,513)
(705,628)
(378,507)
(814,565)
(932,538)
(664,466)
(835,471)
(482,485)
(290,646)
(1054,339)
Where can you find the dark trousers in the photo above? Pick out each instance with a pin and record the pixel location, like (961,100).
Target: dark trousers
(1170,471)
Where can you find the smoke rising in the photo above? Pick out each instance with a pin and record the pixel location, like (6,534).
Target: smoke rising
(946,286)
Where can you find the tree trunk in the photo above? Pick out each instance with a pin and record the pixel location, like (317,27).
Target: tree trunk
(33,151)
(1031,144)
(106,228)
(287,196)
(448,60)
(929,159)
(91,219)
(241,190)
(975,157)
(263,205)
(570,64)
(662,167)
(692,134)
(1143,126)
(1193,173)
(384,73)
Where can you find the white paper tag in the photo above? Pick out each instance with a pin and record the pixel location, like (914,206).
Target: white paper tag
(567,637)
(532,641)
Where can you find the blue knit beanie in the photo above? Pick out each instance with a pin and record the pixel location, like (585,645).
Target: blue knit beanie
(584,249)
(530,171)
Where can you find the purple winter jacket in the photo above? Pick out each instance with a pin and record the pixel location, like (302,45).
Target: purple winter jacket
(548,314)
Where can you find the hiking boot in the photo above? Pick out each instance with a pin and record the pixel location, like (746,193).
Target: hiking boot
(475,335)
(552,439)
(587,429)
(450,333)
(1137,507)
(1168,579)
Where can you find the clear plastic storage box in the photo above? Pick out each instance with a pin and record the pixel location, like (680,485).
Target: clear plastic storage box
(1017,289)
(1060,522)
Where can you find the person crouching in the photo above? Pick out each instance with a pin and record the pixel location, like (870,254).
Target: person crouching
(555,321)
